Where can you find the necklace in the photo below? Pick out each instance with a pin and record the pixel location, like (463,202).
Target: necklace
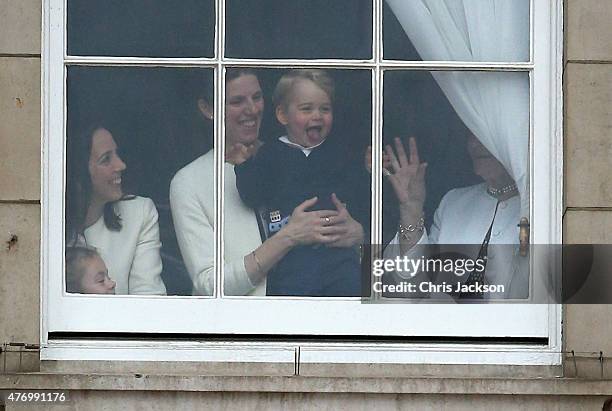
(497,192)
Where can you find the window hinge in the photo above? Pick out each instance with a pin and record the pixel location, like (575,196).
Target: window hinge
(599,356)
(16,348)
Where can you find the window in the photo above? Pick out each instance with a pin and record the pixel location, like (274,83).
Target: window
(133,101)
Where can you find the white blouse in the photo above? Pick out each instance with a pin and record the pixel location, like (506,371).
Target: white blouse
(132,254)
(193,212)
(463,217)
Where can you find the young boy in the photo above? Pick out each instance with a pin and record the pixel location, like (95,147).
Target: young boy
(86,272)
(300,165)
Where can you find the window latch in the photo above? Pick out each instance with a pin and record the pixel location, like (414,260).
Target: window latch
(523,236)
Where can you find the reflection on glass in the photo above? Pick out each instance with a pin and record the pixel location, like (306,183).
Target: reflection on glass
(299,29)
(472,130)
(297,192)
(141,28)
(129,131)
(456,30)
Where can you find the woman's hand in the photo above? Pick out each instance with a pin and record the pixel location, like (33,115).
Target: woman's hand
(239,153)
(309,227)
(304,227)
(343,229)
(368,160)
(335,228)
(406,175)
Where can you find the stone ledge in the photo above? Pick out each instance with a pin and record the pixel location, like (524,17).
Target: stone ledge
(295,384)
(310,370)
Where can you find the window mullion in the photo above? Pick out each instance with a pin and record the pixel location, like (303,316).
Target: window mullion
(377,27)
(140,61)
(297,63)
(377,116)
(219,146)
(220,30)
(455,65)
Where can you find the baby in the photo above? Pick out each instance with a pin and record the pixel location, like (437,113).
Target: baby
(86,272)
(305,163)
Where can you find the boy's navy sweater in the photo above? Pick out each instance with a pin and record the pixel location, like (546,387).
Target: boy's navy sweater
(279,178)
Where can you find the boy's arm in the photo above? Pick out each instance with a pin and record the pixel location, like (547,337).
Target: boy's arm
(254,179)
(359,200)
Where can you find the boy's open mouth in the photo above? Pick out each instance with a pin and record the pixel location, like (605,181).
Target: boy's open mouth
(314,132)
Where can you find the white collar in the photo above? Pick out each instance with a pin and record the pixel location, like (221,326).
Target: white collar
(305,150)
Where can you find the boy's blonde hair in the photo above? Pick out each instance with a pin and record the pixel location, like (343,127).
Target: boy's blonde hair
(282,92)
(75,256)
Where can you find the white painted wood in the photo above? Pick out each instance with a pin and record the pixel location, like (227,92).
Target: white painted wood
(294,316)
(151,351)
(345,353)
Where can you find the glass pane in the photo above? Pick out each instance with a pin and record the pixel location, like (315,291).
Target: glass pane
(315,131)
(129,131)
(456,30)
(339,29)
(472,131)
(141,28)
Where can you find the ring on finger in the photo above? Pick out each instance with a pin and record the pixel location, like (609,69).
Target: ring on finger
(386,172)
(327,220)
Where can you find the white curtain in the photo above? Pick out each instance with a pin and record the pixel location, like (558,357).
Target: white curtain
(493,105)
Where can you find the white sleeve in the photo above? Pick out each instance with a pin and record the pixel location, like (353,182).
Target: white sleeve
(392,251)
(393,248)
(145,273)
(193,224)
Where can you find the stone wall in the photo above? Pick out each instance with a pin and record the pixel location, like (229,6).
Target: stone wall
(20,138)
(588,163)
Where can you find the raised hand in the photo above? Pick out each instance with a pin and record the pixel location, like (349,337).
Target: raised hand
(239,153)
(406,175)
(368,160)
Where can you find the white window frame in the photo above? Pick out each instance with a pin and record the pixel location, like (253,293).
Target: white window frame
(545,176)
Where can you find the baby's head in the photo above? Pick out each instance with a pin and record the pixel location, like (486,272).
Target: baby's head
(86,272)
(303,100)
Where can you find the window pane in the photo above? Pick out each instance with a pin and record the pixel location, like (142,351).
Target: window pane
(263,193)
(141,28)
(299,29)
(456,30)
(472,130)
(129,131)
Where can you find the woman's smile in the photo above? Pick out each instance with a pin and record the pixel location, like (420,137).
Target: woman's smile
(243,110)
(105,168)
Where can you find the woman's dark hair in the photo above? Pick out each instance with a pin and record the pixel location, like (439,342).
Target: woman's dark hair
(199,125)
(233,73)
(207,93)
(78,186)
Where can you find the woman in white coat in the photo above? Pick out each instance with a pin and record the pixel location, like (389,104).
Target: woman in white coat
(123,229)
(477,214)
(246,259)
